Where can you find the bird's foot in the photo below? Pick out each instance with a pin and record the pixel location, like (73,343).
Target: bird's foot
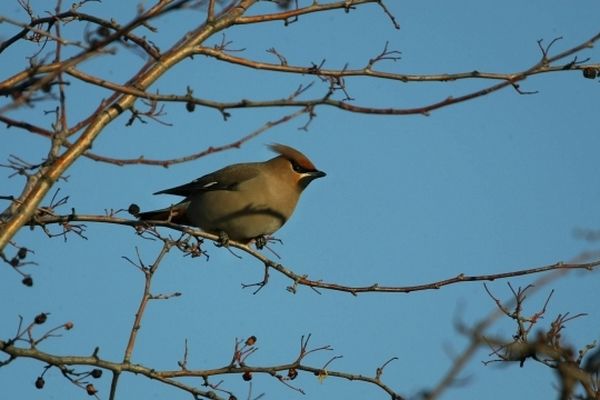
(260,242)
(223,240)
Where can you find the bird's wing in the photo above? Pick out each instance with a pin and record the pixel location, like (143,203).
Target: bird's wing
(227,178)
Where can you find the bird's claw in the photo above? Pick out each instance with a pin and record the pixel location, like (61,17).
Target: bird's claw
(260,242)
(223,240)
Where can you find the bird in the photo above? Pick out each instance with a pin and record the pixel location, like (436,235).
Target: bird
(242,202)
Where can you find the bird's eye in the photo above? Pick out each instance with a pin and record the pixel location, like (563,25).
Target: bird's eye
(296,167)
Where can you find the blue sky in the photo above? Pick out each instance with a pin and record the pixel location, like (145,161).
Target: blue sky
(496,184)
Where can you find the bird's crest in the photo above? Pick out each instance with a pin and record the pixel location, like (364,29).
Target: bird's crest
(293,155)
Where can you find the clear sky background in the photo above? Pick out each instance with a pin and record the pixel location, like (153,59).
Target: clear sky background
(496,184)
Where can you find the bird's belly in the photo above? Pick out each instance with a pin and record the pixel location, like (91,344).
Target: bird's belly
(221,212)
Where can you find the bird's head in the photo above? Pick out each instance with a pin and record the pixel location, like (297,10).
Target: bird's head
(296,163)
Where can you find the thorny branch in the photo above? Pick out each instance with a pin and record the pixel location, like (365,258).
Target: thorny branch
(546,348)
(284,373)
(148,271)
(40,76)
(569,370)
(298,279)
(48,74)
(38,186)
(335,76)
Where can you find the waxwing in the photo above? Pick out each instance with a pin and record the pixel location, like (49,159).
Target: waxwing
(242,202)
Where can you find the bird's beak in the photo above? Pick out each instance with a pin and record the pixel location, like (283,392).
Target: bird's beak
(317,174)
(310,176)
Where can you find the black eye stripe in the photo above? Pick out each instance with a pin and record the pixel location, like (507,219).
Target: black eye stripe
(298,168)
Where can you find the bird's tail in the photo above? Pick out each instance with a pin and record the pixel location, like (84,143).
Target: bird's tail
(175,214)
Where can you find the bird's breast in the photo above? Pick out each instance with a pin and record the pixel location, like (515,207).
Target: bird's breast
(242,214)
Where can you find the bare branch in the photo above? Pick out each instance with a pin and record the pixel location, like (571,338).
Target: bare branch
(303,280)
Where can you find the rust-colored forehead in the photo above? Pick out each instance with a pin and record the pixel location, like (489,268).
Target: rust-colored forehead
(293,155)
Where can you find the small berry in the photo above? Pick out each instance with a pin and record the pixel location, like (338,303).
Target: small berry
(40,318)
(14,262)
(251,341)
(590,73)
(68,326)
(90,389)
(27,281)
(292,373)
(22,253)
(39,382)
(190,106)
(133,209)
(247,376)
(96,373)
